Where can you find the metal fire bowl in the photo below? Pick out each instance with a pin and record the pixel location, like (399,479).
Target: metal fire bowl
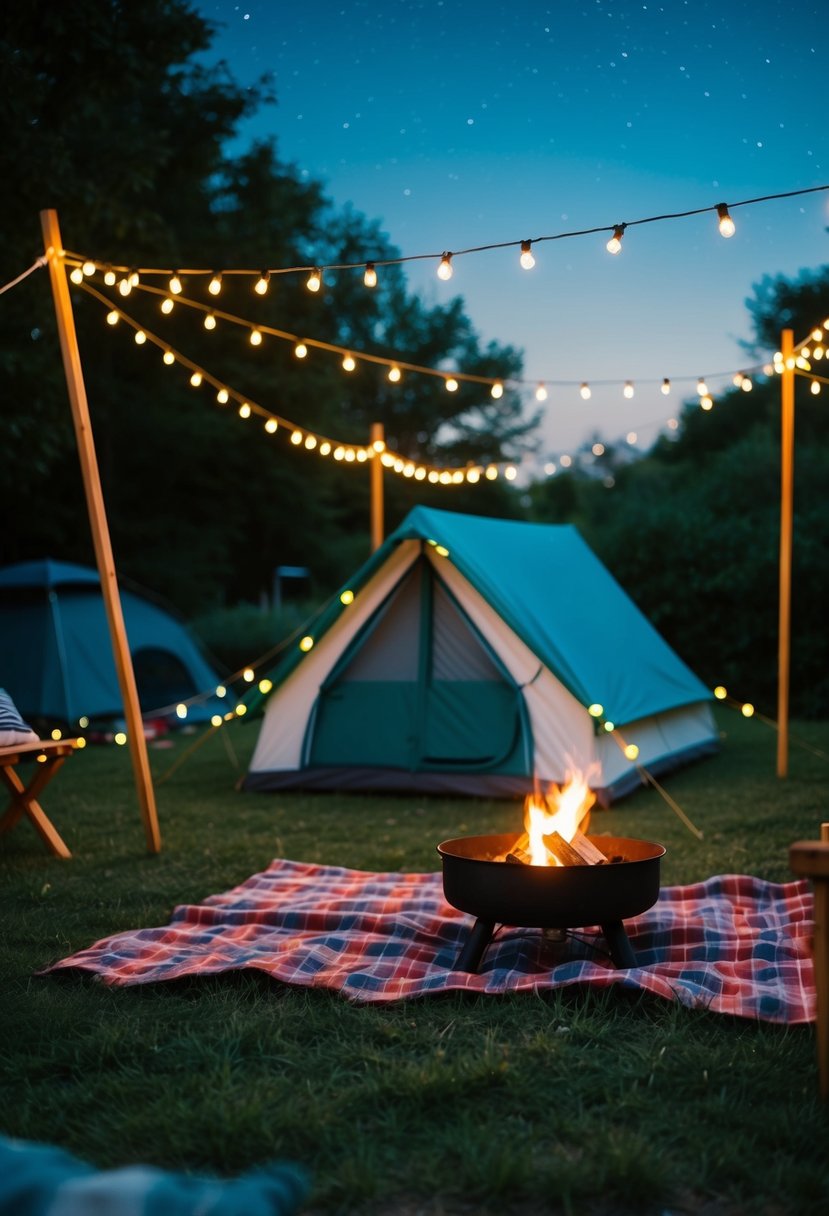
(549,897)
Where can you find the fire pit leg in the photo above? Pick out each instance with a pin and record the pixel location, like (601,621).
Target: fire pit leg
(480,935)
(618,944)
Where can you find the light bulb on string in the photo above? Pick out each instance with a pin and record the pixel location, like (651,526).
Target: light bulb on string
(737,379)
(140,337)
(175,284)
(89,268)
(370,275)
(615,243)
(727,225)
(262,283)
(526,259)
(497,390)
(314,280)
(585,391)
(223,396)
(196,379)
(445,269)
(244,410)
(76,275)
(394,374)
(325,448)
(300,350)
(702,387)
(451,384)
(113,317)
(665,387)
(310,442)
(134,278)
(814,388)
(167,305)
(541,392)
(209,320)
(125,287)
(706,402)
(215,285)
(110,278)
(169,358)
(271,426)
(256,337)
(348,363)
(746,384)
(628,389)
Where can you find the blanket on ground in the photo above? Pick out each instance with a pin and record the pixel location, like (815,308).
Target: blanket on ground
(734,944)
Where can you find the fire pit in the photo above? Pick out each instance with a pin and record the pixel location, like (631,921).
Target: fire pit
(478,878)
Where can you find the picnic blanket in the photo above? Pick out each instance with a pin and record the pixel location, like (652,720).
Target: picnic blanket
(734,944)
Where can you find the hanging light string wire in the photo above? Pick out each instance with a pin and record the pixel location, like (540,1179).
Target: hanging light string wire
(514,244)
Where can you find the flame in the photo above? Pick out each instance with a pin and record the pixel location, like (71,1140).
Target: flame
(564,809)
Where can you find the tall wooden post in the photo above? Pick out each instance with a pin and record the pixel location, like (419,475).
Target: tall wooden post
(377,525)
(786,523)
(98,524)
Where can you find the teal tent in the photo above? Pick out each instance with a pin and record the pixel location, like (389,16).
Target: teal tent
(480,656)
(56,656)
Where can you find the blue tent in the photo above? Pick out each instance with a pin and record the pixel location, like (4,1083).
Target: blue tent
(56,656)
(479,656)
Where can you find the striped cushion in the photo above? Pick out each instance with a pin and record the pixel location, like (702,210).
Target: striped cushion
(13,729)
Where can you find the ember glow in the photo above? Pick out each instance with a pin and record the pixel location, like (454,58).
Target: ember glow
(563,809)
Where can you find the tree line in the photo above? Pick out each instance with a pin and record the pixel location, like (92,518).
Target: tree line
(111,117)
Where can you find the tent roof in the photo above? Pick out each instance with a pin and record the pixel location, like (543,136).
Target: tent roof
(559,598)
(47,573)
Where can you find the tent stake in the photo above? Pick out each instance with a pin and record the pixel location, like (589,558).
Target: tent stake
(98,524)
(786,513)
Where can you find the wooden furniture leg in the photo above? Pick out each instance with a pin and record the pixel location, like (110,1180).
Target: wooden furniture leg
(810,859)
(49,759)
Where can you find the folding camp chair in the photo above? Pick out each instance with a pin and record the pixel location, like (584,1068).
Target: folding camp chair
(48,756)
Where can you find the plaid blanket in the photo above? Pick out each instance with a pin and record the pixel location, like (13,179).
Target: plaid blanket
(734,944)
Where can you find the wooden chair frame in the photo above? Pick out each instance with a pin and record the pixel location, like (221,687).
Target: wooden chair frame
(49,756)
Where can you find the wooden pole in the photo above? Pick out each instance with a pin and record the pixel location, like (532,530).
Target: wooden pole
(810,859)
(98,524)
(786,517)
(377,525)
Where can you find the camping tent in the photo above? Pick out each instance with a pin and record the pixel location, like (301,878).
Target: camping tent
(56,656)
(477,656)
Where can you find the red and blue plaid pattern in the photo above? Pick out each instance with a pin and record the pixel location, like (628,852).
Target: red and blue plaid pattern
(734,944)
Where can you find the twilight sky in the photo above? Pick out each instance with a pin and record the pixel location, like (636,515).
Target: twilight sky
(465,122)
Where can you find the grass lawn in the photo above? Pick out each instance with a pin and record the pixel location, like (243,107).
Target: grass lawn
(570,1102)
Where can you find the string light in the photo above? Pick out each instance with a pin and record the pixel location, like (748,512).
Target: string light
(746,384)
(256,337)
(175,285)
(541,393)
(814,388)
(445,269)
(124,286)
(370,275)
(497,390)
(140,337)
(244,410)
(628,389)
(727,225)
(167,305)
(348,363)
(223,396)
(196,379)
(706,402)
(300,350)
(209,320)
(394,374)
(702,387)
(585,391)
(262,283)
(113,317)
(110,278)
(215,285)
(89,268)
(271,426)
(314,280)
(169,358)
(614,245)
(451,384)
(665,387)
(526,259)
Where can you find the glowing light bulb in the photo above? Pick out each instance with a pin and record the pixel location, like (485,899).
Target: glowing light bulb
(244,410)
(169,358)
(265,685)
(420,473)
(113,317)
(348,363)
(140,337)
(510,472)
(814,388)
(491,472)
(434,476)
(167,305)
(595,710)
(175,285)
(497,390)
(379,445)
(300,350)
(565,461)
(631,751)
(585,392)
(665,387)
(325,448)
(296,437)
(706,402)
(720,692)
(196,379)
(747,710)
(310,442)
(109,278)
(615,242)
(223,396)
(125,287)
(457,480)
(727,225)
(818,352)
(314,280)
(702,387)
(347,597)
(370,275)
(673,424)
(816,334)
(256,337)
(610,727)
(394,374)
(262,283)
(76,275)
(451,384)
(181,710)
(737,379)
(134,278)
(216,720)
(746,384)
(89,268)
(526,259)
(632,438)
(215,285)
(597,449)
(209,320)
(445,270)
(541,392)
(628,389)
(473,476)
(271,426)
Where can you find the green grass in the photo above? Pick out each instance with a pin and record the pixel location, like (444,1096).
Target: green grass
(570,1102)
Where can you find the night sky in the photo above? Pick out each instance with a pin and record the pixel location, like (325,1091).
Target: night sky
(458,123)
